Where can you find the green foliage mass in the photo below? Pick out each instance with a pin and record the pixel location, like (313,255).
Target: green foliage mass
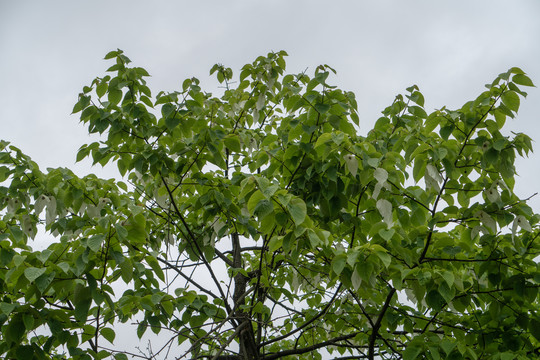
(261,225)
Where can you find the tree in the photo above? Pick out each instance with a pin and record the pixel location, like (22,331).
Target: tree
(260,225)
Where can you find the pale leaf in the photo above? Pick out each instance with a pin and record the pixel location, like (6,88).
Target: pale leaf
(381,175)
(356,280)
(376,191)
(385,209)
(161,200)
(51,210)
(260,102)
(295,283)
(431,183)
(433,173)
(92,211)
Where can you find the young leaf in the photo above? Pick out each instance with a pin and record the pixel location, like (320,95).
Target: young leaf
(381,175)
(356,279)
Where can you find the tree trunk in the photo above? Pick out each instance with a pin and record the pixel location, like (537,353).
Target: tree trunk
(246,337)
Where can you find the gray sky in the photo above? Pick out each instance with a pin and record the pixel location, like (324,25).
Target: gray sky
(50,49)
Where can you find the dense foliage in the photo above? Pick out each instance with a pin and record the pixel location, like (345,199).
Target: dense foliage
(260,225)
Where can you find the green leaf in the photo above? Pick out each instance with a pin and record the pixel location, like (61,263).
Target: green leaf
(232,142)
(82,299)
(412,352)
(44,281)
(522,79)
(434,352)
(338,263)
(418,111)
(25,352)
(108,334)
(534,328)
(448,276)
(152,261)
(15,330)
(387,234)
(446,131)
(168,306)
(28,320)
(171,122)
(435,300)
(94,243)
(7,308)
(115,96)
(511,100)
(385,258)
(126,270)
(112,54)
(323,139)
(33,273)
(297,209)
(101,88)
(419,168)
(447,346)
(254,200)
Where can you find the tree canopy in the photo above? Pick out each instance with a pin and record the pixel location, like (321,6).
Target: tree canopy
(259,224)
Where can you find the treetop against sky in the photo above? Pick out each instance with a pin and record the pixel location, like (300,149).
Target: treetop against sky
(258,224)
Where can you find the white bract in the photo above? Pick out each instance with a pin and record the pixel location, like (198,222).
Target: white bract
(352,163)
(487,220)
(522,222)
(40,203)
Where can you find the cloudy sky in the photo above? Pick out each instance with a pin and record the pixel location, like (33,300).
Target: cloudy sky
(50,49)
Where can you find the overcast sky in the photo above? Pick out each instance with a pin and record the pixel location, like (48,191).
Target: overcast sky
(50,49)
